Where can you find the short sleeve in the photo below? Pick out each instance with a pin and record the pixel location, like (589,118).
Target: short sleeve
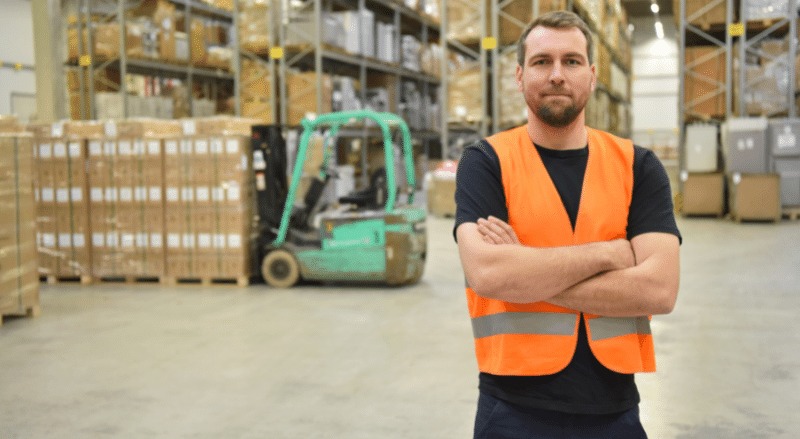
(651,207)
(479,185)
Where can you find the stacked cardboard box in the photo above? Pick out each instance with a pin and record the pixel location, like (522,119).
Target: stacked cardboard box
(464,102)
(754,192)
(145,198)
(464,22)
(19,279)
(63,204)
(126,192)
(594,10)
(704,93)
(254,26)
(442,188)
(256,90)
(105,80)
(702,13)
(208,201)
(301,89)
(516,14)
(766,79)
(514,110)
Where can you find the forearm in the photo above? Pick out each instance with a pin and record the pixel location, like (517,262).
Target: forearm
(519,274)
(635,291)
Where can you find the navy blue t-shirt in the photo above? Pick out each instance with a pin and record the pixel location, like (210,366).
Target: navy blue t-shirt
(585,386)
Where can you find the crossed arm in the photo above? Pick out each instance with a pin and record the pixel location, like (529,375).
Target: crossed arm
(618,278)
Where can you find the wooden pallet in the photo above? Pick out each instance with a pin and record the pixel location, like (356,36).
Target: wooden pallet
(126,279)
(791,213)
(29,311)
(241,281)
(52,279)
(740,219)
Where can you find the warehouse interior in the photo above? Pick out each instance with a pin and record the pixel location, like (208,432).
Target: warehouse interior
(158,280)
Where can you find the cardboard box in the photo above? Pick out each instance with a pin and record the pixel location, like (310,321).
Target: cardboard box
(464,103)
(254,27)
(702,98)
(703,193)
(714,16)
(522,13)
(755,196)
(441,197)
(301,94)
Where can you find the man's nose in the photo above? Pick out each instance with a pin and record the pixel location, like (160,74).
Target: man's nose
(556,74)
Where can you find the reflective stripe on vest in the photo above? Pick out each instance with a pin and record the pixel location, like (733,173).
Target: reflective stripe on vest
(610,327)
(552,323)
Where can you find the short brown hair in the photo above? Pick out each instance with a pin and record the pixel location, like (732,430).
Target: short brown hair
(556,20)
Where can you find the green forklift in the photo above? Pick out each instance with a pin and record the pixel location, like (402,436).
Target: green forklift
(376,235)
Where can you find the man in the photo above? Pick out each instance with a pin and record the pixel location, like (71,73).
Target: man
(568,243)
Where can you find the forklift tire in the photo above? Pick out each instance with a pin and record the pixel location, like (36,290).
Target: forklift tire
(280,269)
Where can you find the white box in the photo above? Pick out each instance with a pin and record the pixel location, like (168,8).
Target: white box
(701,148)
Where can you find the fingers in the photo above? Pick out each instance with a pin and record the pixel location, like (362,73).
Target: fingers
(508,230)
(496,231)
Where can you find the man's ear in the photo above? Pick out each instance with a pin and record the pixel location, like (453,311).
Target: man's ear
(518,77)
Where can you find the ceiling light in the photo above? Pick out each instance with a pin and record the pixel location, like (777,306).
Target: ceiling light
(654,7)
(659,30)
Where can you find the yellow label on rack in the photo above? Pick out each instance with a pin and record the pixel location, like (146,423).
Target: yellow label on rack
(276,52)
(85,60)
(736,29)
(18,66)
(489,43)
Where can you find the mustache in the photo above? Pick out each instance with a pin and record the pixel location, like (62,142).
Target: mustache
(556,92)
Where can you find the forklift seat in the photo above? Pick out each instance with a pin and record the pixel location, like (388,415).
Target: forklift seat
(374,196)
(301,215)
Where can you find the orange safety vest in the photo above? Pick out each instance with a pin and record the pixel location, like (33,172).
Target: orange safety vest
(540,338)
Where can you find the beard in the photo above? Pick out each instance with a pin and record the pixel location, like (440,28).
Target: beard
(559,118)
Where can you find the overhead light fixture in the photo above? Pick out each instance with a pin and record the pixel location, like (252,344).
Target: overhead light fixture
(659,27)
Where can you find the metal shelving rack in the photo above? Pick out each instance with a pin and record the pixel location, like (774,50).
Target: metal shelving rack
(748,34)
(785,23)
(477,52)
(265,60)
(108,11)
(312,54)
(322,59)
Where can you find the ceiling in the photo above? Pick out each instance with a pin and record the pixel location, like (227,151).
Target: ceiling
(641,8)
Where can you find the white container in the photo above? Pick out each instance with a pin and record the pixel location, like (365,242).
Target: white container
(701,148)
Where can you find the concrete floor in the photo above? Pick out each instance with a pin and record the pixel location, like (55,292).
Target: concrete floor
(132,361)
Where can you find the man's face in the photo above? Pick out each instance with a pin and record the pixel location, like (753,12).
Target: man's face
(557,78)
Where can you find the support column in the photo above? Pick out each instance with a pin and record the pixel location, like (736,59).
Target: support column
(48,35)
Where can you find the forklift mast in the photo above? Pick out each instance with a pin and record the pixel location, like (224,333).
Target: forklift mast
(271,185)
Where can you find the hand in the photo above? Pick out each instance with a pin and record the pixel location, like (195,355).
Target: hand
(622,255)
(496,231)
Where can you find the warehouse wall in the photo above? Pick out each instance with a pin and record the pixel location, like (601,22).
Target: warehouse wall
(16,32)
(655,84)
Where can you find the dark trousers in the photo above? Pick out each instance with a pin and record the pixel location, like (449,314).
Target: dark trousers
(496,419)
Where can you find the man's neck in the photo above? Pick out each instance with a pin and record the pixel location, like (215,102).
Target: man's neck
(572,136)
